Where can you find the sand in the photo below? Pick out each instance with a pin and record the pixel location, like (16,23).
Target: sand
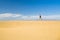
(29,30)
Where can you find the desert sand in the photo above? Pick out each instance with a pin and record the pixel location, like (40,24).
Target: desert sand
(29,30)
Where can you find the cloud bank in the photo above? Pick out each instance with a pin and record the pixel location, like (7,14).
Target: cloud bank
(9,15)
(12,16)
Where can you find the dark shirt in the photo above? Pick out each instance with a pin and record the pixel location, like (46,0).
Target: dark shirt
(40,16)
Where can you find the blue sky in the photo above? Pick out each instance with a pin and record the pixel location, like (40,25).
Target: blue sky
(30,7)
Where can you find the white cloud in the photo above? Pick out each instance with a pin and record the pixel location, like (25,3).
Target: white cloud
(7,15)
(57,17)
(34,17)
(30,17)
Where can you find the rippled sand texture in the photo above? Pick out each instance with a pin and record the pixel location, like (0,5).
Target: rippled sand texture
(29,30)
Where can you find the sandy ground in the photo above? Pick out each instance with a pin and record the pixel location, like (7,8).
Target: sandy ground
(29,30)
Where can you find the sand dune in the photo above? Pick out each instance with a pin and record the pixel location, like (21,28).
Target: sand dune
(29,30)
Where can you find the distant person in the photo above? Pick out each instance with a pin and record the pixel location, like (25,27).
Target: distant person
(40,17)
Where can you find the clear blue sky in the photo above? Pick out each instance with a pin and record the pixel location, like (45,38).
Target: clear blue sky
(30,7)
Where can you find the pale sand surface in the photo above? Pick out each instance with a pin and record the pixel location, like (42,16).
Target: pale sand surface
(29,30)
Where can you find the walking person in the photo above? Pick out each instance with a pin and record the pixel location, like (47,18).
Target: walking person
(40,17)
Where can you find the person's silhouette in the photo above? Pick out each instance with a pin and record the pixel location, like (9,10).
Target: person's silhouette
(40,17)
